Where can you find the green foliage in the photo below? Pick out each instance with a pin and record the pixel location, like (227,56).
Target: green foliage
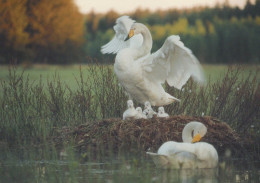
(216,35)
(30,111)
(55,32)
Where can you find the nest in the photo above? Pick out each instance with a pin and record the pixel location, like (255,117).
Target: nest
(148,134)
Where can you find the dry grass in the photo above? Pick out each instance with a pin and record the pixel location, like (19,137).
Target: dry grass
(141,135)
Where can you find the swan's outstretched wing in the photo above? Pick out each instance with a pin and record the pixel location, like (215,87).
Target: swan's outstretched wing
(122,28)
(173,63)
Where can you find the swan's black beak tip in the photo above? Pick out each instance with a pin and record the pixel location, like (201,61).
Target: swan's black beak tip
(127,37)
(131,34)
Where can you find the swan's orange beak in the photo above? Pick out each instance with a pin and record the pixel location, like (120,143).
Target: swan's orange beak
(196,138)
(131,33)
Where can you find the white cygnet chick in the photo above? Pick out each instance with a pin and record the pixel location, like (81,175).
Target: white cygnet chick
(150,113)
(130,113)
(140,114)
(147,105)
(161,113)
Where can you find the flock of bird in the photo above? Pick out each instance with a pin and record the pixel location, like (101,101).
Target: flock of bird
(142,73)
(137,113)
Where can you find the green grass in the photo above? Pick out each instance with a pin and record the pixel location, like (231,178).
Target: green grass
(32,106)
(68,73)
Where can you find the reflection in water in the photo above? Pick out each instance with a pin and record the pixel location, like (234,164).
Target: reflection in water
(188,175)
(122,169)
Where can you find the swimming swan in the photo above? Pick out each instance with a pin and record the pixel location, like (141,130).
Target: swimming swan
(141,73)
(187,154)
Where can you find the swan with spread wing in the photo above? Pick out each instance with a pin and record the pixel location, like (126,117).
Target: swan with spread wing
(141,73)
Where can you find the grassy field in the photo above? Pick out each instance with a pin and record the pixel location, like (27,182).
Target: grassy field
(69,73)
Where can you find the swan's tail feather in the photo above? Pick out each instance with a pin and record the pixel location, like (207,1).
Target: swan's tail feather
(160,161)
(175,99)
(172,98)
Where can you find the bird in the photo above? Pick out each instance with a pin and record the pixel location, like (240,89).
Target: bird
(140,114)
(147,105)
(187,154)
(161,113)
(150,113)
(131,112)
(148,110)
(142,73)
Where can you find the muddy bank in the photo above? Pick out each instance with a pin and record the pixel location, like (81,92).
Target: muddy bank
(142,135)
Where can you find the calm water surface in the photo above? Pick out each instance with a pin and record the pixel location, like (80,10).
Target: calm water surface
(120,169)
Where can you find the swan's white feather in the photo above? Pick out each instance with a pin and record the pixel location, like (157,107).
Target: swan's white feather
(182,155)
(173,63)
(122,28)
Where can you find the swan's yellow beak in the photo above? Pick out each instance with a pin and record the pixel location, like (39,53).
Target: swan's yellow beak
(131,33)
(196,138)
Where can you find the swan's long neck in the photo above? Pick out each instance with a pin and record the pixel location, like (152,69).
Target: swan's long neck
(187,135)
(187,131)
(147,42)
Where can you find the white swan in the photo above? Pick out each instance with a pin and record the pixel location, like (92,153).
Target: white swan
(130,113)
(185,155)
(161,113)
(147,105)
(148,110)
(141,73)
(140,114)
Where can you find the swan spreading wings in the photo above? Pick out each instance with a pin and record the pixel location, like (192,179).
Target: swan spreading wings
(141,73)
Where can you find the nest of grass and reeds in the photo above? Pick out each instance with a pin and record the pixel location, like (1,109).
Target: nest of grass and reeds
(144,135)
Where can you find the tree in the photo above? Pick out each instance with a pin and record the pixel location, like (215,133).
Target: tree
(40,30)
(13,21)
(53,27)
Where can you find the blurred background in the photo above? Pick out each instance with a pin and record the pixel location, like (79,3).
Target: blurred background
(72,31)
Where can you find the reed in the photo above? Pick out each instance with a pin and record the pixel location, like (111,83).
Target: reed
(30,111)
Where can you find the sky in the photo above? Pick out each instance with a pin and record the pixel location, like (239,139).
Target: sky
(128,6)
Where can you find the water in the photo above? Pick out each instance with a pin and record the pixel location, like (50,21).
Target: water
(118,169)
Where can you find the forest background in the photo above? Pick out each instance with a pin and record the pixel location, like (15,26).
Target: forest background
(55,32)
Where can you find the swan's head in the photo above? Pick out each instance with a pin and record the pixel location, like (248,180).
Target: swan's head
(130,104)
(147,105)
(136,28)
(199,131)
(161,110)
(139,109)
(193,132)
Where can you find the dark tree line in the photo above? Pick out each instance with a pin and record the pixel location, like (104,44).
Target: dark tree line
(55,32)
(221,34)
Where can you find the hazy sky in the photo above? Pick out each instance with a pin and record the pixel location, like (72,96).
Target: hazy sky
(125,6)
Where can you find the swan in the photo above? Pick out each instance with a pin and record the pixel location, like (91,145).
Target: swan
(161,113)
(131,112)
(140,114)
(147,106)
(141,73)
(150,113)
(187,154)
